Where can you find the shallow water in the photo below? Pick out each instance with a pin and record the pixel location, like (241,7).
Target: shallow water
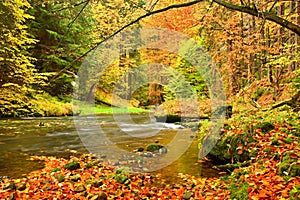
(115,138)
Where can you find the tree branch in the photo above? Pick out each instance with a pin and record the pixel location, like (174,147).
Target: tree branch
(241,8)
(71,6)
(267,15)
(72,22)
(131,23)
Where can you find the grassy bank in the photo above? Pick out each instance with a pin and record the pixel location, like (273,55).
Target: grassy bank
(89,109)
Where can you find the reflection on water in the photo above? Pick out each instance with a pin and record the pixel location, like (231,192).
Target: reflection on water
(21,138)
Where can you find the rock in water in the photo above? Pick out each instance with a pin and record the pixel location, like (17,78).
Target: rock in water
(72,165)
(153,147)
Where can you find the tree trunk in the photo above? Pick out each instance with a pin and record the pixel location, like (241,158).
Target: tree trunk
(297,42)
(292,37)
(270,70)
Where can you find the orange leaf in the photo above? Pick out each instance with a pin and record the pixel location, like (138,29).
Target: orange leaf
(240,152)
(262,194)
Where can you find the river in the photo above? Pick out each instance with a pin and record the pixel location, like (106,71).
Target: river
(115,138)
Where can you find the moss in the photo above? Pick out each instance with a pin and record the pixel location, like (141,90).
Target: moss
(258,93)
(289,166)
(239,192)
(60,178)
(122,179)
(56,169)
(289,140)
(267,150)
(153,147)
(227,149)
(295,192)
(75,177)
(72,165)
(275,140)
(265,127)
(91,164)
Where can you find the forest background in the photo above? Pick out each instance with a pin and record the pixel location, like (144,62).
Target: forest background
(254,45)
(44,42)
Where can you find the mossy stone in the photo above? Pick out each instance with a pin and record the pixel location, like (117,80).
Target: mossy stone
(154,147)
(72,165)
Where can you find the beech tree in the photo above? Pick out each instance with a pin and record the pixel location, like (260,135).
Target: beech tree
(248,40)
(17,72)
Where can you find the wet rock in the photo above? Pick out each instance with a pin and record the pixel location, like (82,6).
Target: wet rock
(75,178)
(163,150)
(99,196)
(187,195)
(72,165)
(122,179)
(103,156)
(145,169)
(153,147)
(60,178)
(80,188)
(140,149)
(147,155)
(56,170)
(12,185)
(21,187)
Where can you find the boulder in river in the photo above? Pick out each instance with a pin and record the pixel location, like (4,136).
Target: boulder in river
(153,147)
(72,165)
(140,149)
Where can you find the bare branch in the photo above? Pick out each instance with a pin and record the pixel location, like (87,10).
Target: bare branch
(267,15)
(78,14)
(71,6)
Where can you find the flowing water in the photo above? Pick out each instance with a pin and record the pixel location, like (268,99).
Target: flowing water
(113,137)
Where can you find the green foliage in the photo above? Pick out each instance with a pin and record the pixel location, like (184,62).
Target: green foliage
(45,105)
(186,80)
(62,38)
(237,184)
(296,79)
(87,109)
(17,72)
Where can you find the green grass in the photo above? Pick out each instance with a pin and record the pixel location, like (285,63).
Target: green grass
(96,109)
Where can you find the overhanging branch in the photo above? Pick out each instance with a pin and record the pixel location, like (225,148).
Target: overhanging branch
(267,15)
(241,8)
